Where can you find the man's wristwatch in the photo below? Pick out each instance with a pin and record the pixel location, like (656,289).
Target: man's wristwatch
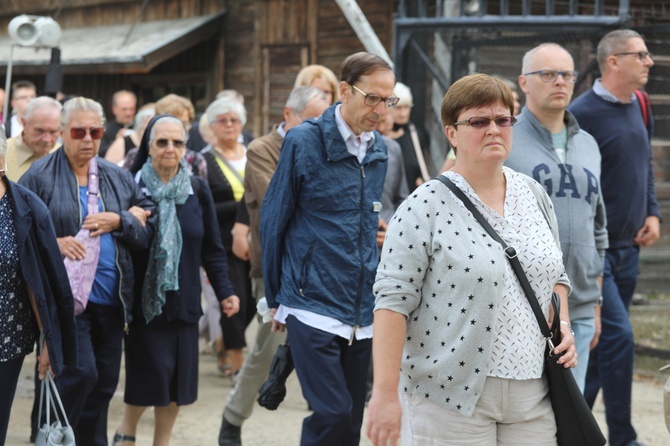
(599,302)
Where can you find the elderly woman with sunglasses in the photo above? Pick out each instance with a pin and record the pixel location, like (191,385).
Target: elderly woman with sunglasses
(162,345)
(226,162)
(100,216)
(450,313)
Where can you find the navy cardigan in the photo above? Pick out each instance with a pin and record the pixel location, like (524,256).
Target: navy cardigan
(45,275)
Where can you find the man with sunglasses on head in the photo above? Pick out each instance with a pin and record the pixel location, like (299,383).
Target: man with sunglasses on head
(611,112)
(67,182)
(549,146)
(319,223)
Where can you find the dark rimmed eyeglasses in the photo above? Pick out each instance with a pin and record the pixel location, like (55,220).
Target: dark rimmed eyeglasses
(80,132)
(162,143)
(372,99)
(570,77)
(481,122)
(642,55)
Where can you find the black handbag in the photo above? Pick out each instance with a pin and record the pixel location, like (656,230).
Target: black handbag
(575,423)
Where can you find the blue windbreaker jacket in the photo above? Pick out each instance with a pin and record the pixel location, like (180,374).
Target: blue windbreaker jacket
(319,221)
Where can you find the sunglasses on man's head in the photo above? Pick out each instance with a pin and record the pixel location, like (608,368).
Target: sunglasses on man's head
(80,132)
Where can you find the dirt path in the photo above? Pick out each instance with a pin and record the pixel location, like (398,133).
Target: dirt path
(198,424)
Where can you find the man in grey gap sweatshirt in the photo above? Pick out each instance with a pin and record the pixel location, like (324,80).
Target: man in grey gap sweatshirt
(549,146)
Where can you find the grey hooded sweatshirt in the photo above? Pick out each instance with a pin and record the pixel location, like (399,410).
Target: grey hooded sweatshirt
(574,188)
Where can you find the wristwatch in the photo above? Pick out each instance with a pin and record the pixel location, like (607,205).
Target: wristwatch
(599,302)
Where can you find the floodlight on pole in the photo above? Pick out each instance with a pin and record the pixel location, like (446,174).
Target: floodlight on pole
(31,32)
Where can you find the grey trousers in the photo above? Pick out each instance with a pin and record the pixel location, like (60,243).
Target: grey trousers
(254,372)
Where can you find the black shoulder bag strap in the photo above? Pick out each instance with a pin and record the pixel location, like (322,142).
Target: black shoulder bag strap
(510,252)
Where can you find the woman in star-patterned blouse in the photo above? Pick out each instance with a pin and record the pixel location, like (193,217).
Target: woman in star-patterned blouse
(450,313)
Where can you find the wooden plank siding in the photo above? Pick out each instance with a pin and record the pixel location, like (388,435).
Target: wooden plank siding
(262,46)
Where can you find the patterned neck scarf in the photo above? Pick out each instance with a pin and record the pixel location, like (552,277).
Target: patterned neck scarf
(163,267)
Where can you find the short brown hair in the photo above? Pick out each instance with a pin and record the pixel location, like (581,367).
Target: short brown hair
(175,105)
(22,84)
(475,90)
(362,64)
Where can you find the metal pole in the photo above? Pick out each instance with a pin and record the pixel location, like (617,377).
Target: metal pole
(359,23)
(8,84)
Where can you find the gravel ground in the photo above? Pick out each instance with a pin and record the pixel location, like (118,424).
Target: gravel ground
(198,424)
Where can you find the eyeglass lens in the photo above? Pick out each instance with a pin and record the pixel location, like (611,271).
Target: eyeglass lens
(569,77)
(372,99)
(640,54)
(226,121)
(163,143)
(80,132)
(482,122)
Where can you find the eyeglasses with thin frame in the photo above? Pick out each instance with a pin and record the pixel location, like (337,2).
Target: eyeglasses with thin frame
(226,121)
(80,132)
(570,77)
(372,99)
(162,143)
(482,122)
(642,55)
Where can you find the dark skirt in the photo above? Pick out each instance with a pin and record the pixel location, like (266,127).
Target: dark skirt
(161,363)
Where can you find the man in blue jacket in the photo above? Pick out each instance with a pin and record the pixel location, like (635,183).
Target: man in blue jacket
(549,146)
(611,113)
(319,222)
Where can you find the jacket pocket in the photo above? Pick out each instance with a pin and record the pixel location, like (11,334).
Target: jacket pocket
(304,271)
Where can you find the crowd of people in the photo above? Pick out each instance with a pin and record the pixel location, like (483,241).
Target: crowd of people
(117,235)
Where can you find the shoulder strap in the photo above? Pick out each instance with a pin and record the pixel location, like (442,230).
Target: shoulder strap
(510,253)
(228,165)
(645,104)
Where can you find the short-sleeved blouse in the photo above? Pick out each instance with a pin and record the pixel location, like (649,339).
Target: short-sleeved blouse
(17,329)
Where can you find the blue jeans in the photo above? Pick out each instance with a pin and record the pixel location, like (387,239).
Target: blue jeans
(611,362)
(584,330)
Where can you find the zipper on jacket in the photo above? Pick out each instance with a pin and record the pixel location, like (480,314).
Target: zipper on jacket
(126,328)
(78,201)
(360,256)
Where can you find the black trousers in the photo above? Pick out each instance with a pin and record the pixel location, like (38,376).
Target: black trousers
(9,377)
(233,327)
(87,389)
(332,375)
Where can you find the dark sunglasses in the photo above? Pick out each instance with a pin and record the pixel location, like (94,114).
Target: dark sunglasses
(176,143)
(480,122)
(80,132)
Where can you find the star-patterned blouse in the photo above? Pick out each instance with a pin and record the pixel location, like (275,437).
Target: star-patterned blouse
(468,316)
(17,325)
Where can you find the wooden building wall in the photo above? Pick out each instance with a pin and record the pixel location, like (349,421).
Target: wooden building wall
(268,41)
(262,46)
